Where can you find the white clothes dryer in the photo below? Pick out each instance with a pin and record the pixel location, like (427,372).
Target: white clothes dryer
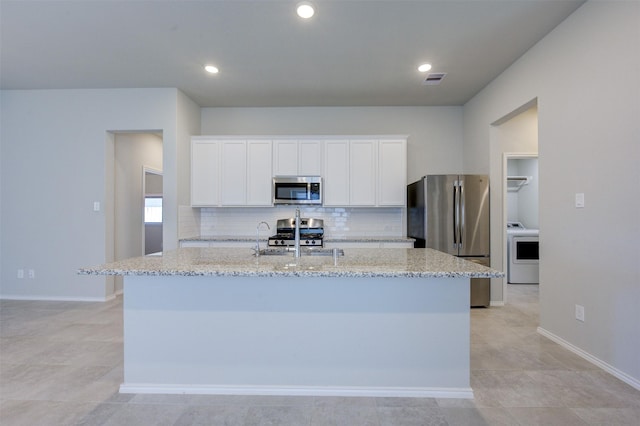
(523,260)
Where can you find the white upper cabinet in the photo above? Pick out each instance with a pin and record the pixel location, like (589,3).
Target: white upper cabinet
(365,172)
(356,171)
(392,172)
(336,173)
(205,173)
(310,157)
(292,157)
(230,172)
(259,182)
(363,164)
(233,173)
(285,157)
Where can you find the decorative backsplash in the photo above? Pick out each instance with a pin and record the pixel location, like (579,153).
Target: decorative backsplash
(338,222)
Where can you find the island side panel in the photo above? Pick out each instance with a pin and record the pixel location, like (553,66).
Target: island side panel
(296,335)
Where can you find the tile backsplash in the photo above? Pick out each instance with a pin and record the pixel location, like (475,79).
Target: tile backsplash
(338,222)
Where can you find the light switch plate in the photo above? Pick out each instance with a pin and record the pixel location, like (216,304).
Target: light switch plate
(580,200)
(96,206)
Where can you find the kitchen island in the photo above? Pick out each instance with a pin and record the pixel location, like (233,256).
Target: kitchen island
(374,322)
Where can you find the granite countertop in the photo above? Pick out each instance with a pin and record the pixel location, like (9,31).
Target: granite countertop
(379,262)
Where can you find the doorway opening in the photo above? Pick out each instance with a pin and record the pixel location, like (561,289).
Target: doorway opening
(152,211)
(128,154)
(520,219)
(513,137)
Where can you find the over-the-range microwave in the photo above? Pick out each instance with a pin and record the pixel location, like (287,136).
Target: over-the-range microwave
(306,190)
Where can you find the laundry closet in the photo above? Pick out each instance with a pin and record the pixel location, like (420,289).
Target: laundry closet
(522,221)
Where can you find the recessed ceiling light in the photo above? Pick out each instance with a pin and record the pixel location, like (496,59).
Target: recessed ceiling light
(424,67)
(211,69)
(305,10)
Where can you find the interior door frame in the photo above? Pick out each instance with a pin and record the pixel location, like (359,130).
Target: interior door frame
(506,156)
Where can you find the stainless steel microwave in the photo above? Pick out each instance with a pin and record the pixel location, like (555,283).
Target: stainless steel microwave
(306,190)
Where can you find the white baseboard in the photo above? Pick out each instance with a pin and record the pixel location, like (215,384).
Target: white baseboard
(496,303)
(631,381)
(465,393)
(58,298)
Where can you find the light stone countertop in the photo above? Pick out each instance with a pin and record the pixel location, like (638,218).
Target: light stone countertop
(356,262)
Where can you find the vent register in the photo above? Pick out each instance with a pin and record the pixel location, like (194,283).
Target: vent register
(434,78)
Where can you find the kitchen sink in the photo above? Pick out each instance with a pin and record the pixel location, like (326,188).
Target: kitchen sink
(304,251)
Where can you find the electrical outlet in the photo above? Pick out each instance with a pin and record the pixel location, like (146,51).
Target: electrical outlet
(20,274)
(32,273)
(580,313)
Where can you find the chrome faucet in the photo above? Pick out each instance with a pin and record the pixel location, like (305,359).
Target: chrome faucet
(257,249)
(296,250)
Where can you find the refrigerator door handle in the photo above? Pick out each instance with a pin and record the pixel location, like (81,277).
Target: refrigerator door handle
(461,214)
(455,214)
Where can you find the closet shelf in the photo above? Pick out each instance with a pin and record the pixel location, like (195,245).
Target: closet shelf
(514,183)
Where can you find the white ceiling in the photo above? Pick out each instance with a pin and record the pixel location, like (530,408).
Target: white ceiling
(352,53)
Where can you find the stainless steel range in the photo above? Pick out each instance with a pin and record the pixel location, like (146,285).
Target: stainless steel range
(311,233)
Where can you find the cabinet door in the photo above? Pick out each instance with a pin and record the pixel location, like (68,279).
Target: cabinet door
(310,157)
(363,172)
(336,173)
(259,176)
(198,244)
(392,172)
(205,173)
(233,176)
(285,157)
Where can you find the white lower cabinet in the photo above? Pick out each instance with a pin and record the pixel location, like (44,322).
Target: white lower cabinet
(398,244)
(263,244)
(221,244)
(197,244)
(368,244)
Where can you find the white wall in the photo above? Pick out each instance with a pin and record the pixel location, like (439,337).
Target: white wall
(55,154)
(588,142)
(188,124)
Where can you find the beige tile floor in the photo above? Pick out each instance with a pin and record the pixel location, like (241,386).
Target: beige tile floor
(61,364)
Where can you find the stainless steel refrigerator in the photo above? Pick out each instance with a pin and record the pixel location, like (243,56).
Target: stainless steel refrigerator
(450,213)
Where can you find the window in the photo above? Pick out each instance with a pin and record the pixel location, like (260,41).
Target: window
(153,210)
